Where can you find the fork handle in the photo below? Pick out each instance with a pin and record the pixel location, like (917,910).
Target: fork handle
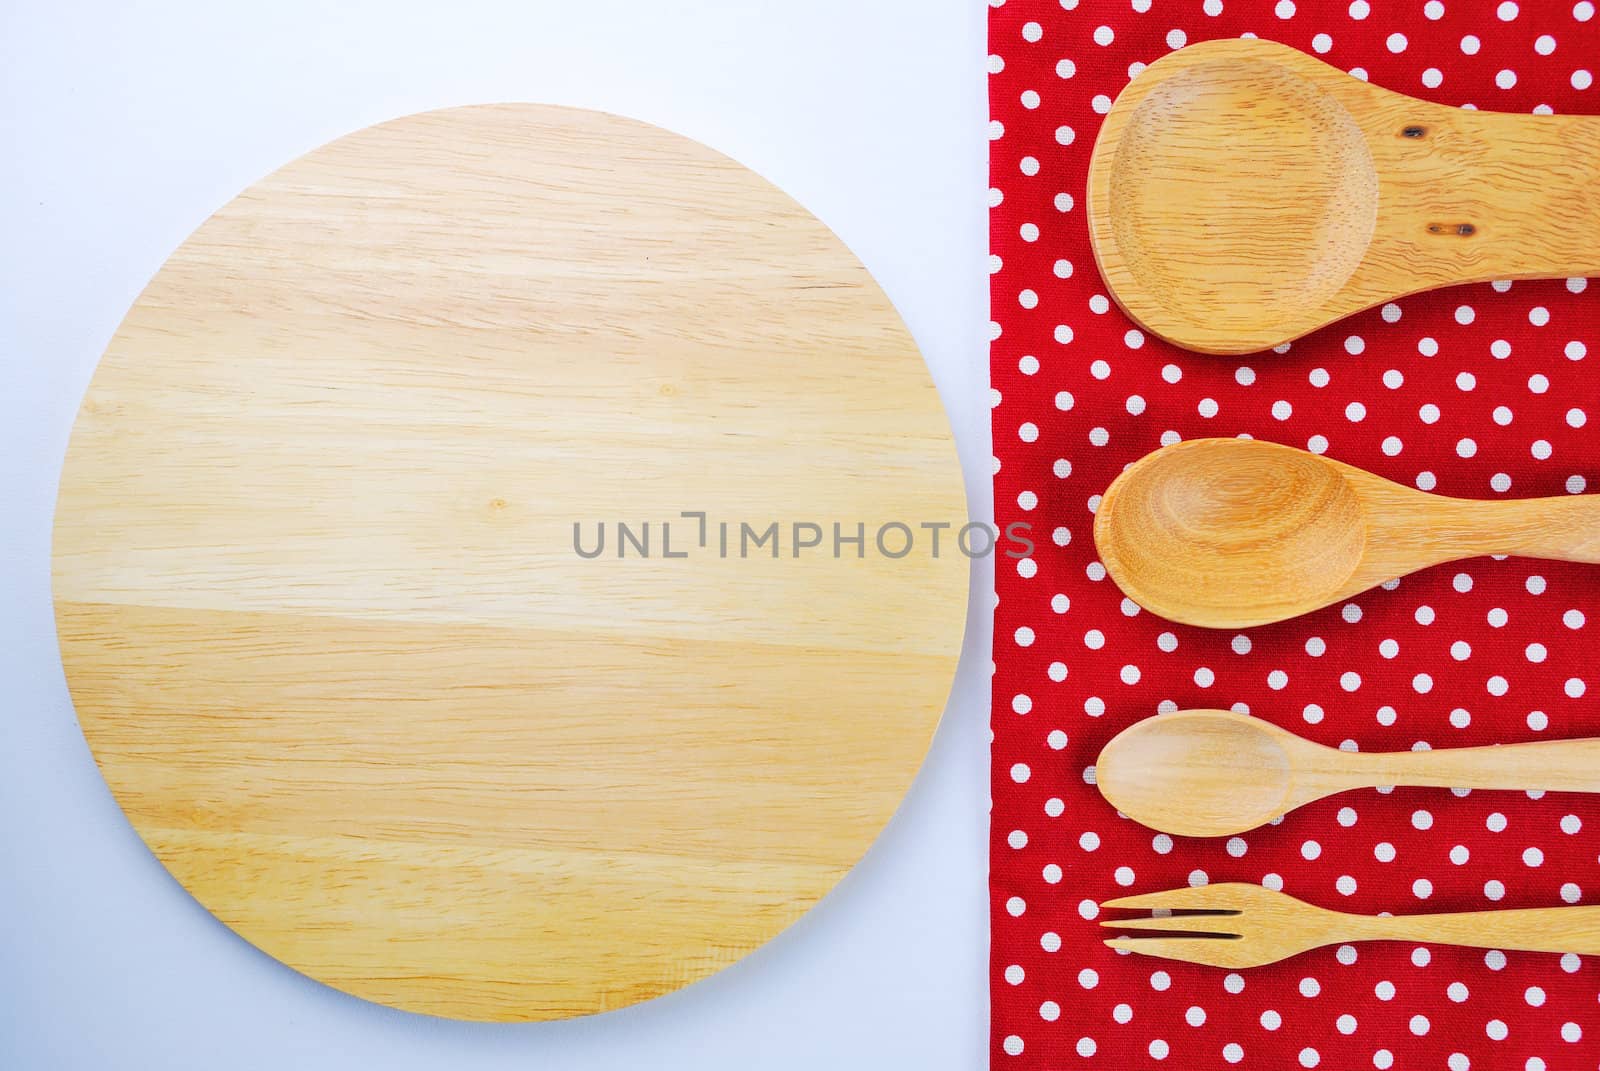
(1533,929)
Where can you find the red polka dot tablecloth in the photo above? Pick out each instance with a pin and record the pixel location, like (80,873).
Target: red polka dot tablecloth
(1485,391)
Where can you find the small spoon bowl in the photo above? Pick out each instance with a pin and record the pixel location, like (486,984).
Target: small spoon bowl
(1229,533)
(1199,773)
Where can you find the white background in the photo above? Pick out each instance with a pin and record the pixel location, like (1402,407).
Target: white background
(123,124)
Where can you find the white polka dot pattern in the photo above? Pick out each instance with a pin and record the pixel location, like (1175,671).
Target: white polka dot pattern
(1484,391)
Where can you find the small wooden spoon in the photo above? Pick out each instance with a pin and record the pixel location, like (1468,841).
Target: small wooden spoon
(1228,533)
(1213,773)
(1242,194)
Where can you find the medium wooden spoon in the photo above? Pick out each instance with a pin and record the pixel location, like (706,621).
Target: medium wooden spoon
(1213,773)
(1228,533)
(1242,194)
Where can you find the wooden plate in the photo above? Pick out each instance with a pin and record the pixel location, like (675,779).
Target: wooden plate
(319,601)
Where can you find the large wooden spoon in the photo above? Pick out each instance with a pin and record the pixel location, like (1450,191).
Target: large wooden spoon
(1229,533)
(1242,194)
(1214,773)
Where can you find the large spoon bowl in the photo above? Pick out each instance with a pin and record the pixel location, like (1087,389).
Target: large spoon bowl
(1184,248)
(1242,194)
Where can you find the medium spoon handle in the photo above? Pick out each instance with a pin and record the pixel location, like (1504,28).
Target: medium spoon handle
(1548,765)
(1430,529)
(1533,929)
(1563,529)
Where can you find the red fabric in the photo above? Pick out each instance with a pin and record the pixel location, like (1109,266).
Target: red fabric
(1481,391)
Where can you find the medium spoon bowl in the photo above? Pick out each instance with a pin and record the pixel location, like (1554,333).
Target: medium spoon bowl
(1242,194)
(1229,533)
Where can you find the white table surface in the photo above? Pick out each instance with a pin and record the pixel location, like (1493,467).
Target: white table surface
(123,124)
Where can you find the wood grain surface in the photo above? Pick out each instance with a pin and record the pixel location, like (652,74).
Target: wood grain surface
(1242,194)
(318,598)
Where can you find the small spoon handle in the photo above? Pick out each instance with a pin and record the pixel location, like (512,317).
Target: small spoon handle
(1533,929)
(1548,765)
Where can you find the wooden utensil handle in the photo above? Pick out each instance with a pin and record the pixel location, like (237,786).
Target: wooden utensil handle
(1551,765)
(1534,929)
(1530,194)
(1565,528)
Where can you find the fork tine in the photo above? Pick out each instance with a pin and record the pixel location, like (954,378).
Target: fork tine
(1203,898)
(1219,924)
(1209,951)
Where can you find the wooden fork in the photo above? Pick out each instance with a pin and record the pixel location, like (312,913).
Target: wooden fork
(1242,925)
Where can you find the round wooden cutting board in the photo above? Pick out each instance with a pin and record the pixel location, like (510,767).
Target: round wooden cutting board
(326,622)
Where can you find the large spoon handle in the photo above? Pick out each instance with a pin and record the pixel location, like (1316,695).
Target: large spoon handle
(1533,929)
(1532,201)
(1549,765)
